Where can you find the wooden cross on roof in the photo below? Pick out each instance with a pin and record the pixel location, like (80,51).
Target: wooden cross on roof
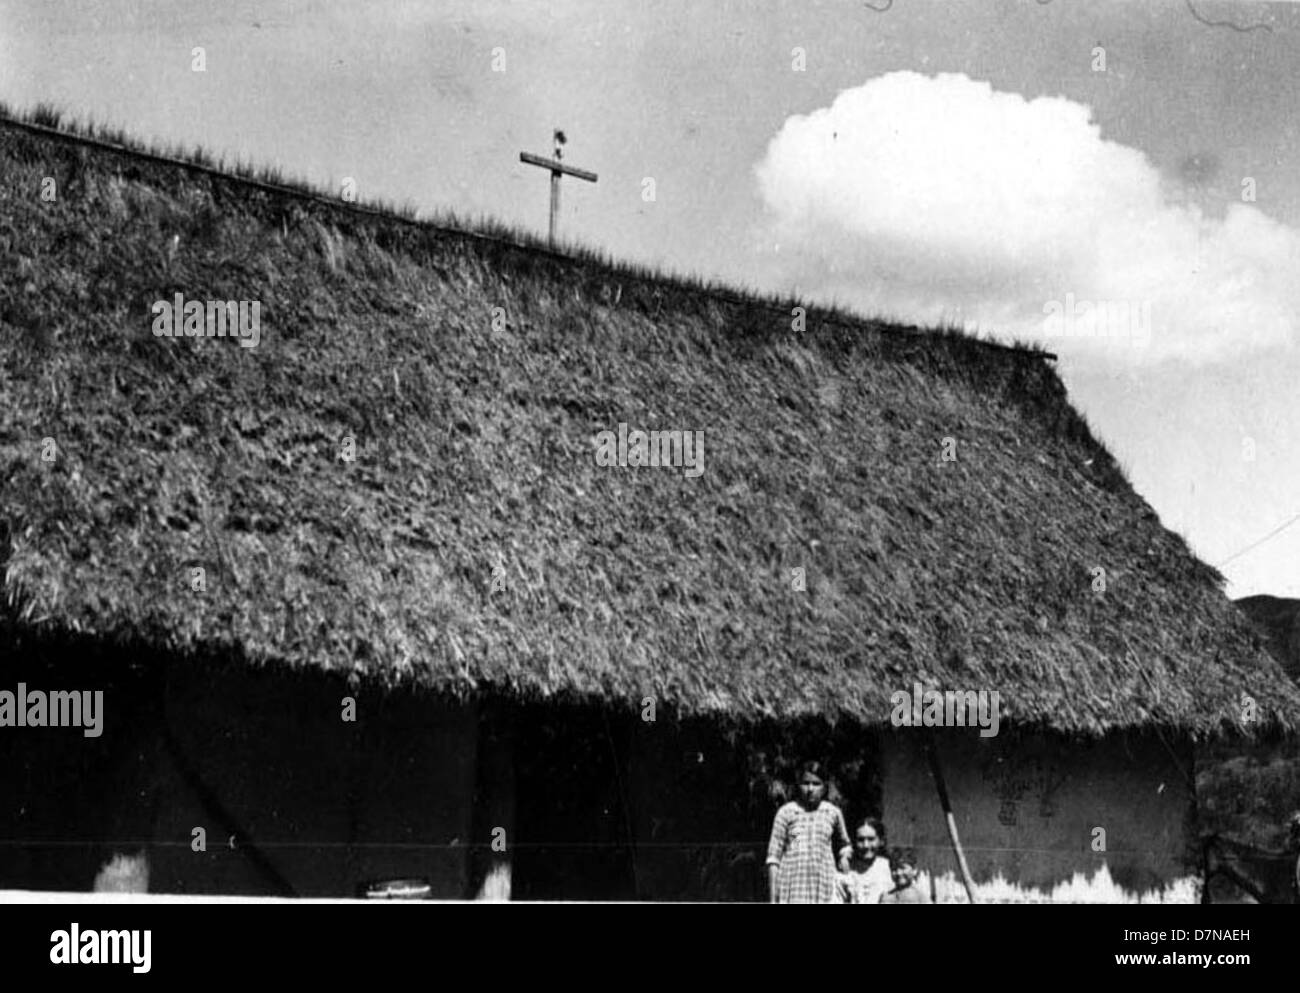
(558,169)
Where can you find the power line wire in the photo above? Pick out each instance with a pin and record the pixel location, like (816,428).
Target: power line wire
(1277,530)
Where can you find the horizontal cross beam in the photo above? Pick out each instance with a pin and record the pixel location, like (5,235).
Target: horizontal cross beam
(555,165)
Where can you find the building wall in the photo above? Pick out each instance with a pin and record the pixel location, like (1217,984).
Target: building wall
(1027,807)
(329,803)
(698,834)
(325,804)
(608,807)
(68,801)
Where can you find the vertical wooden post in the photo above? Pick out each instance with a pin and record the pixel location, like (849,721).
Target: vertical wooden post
(493,817)
(933,755)
(555,208)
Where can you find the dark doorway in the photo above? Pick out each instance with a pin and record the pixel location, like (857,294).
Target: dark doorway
(573,834)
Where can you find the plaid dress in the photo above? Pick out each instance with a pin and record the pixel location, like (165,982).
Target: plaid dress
(803,845)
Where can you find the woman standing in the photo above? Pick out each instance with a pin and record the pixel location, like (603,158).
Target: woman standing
(806,834)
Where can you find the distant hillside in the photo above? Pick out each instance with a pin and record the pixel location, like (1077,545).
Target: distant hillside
(1248,792)
(1279,618)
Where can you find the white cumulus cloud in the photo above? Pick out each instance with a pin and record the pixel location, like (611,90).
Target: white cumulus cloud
(940,199)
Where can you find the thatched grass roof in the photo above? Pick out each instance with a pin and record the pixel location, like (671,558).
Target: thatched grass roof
(475,460)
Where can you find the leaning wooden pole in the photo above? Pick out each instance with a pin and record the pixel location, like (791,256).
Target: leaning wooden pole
(932,754)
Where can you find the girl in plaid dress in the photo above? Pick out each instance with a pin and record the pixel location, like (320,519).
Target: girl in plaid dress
(805,837)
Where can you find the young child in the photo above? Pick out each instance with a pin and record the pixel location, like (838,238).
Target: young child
(806,834)
(903,863)
(864,872)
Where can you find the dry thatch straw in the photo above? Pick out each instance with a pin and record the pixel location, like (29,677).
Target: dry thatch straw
(475,461)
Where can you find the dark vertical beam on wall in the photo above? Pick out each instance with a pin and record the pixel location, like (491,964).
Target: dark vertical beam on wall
(620,753)
(133,787)
(1194,830)
(493,815)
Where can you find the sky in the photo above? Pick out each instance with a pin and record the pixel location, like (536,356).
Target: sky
(1118,179)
